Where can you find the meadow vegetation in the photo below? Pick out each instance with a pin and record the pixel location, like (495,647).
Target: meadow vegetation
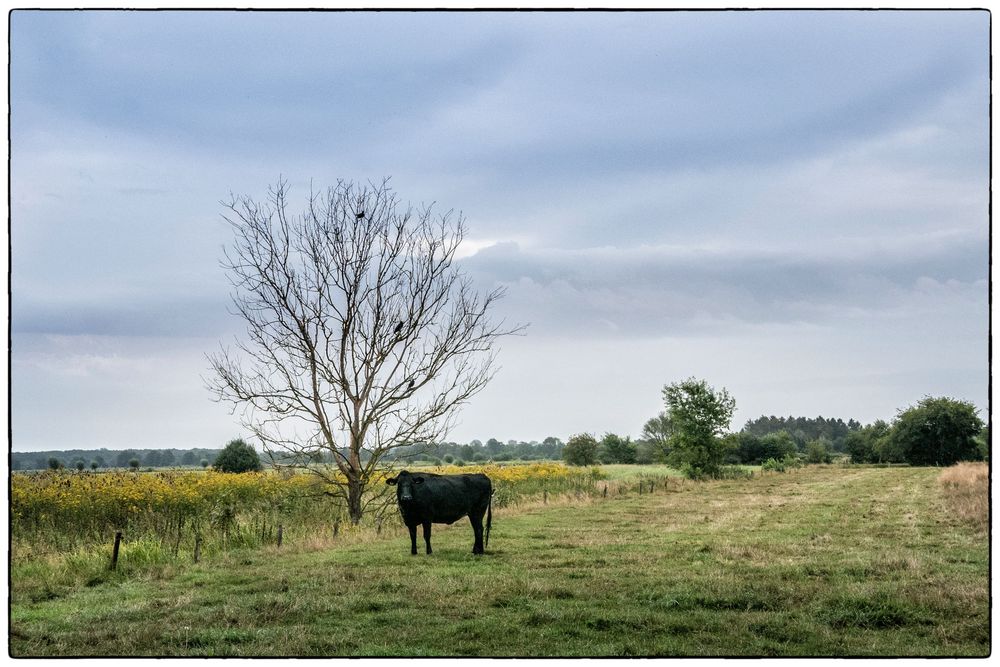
(58,512)
(821,560)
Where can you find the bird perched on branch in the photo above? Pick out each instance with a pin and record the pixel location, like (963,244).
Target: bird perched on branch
(399,327)
(410,385)
(359,215)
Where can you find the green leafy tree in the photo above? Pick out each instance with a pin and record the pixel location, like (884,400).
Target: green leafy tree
(751,449)
(237,456)
(94,465)
(204,463)
(818,451)
(581,450)
(937,431)
(133,464)
(616,449)
(983,443)
(865,445)
(54,463)
(188,458)
(79,465)
(657,432)
(699,415)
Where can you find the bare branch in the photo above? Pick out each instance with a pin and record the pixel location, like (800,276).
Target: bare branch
(362,335)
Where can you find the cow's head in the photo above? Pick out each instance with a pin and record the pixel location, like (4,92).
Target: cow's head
(404,484)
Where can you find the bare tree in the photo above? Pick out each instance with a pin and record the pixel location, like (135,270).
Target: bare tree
(363,335)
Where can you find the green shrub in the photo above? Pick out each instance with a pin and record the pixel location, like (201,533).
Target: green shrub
(237,456)
(581,450)
(733,472)
(773,465)
(937,431)
(818,451)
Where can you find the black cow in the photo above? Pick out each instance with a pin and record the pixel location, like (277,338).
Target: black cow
(425,498)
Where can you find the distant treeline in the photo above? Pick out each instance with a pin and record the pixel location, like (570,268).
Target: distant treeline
(454,452)
(111,458)
(802,430)
(445,452)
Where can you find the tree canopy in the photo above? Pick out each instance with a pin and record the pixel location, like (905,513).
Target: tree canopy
(937,431)
(699,415)
(580,450)
(237,456)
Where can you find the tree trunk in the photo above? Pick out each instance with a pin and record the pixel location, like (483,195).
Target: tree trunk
(355,488)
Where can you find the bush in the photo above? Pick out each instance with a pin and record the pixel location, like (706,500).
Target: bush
(616,449)
(937,431)
(733,472)
(133,464)
(448,458)
(865,444)
(818,452)
(773,465)
(237,456)
(459,462)
(789,460)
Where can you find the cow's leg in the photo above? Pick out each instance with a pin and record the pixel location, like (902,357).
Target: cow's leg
(413,538)
(477,529)
(427,537)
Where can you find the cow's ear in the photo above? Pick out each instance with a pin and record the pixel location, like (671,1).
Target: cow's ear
(418,480)
(391,481)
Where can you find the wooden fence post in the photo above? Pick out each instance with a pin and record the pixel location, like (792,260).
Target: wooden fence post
(545,497)
(180,525)
(197,547)
(114,552)
(336,527)
(280,527)
(605,491)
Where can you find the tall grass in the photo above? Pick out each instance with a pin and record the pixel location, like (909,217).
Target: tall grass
(965,487)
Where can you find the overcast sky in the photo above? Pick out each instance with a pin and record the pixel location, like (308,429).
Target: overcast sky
(789,204)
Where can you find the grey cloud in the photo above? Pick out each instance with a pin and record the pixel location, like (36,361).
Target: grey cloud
(245,83)
(681,291)
(136,314)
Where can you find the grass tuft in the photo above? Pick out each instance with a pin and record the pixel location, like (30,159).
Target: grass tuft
(966,491)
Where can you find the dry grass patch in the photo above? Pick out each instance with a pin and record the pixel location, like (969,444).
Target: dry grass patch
(966,491)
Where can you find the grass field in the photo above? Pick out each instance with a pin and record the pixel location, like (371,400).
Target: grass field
(819,561)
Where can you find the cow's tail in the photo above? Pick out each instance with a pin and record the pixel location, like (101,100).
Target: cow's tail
(489,519)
